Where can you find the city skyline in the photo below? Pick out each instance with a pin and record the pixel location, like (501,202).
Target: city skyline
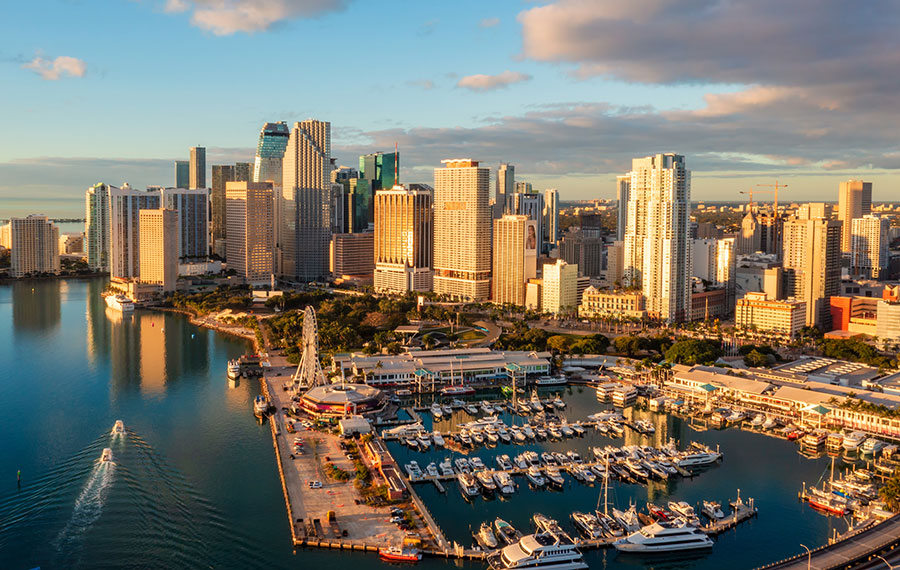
(815,114)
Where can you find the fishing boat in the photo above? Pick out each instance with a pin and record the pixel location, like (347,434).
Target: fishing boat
(399,554)
(628,520)
(431,469)
(118,428)
(485,537)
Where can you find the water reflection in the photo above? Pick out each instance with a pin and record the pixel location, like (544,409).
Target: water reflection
(97,322)
(36,306)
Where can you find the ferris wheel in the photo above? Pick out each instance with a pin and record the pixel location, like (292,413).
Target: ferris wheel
(309,372)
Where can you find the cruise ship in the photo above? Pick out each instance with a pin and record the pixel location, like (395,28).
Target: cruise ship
(538,551)
(120,303)
(664,537)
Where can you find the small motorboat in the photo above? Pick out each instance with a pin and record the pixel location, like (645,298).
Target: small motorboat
(106,456)
(118,428)
(399,554)
(713,510)
(485,537)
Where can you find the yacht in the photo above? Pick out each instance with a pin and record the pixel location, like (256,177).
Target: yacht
(528,432)
(506,532)
(551,381)
(120,303)
(431,470)
(436,411)
(664,537)
(538,551)
(485,537)
(447,410)
(713,510)
(260,405)
(234,369)
(504,482)
(770,423)
(629,519)
(471,410)
(424,441)
(446,468)
(520,462)
(503,462)
(106,456)
(477,464)
(554,476)
(468,485)
(566,430)
(758,420)
(558,403)
(644,427)
(118,428)
(534,476)
(872,446)
(477,436)
(413,470)
(852,441)
(686,511)
(457,390)
(834,441)
(699,458)
(486,480)
(465,438)
(588,525)
(437,438)
(462,465)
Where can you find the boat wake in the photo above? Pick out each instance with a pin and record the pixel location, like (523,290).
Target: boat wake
(88,505)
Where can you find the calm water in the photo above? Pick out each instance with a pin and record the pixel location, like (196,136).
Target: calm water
(195,484)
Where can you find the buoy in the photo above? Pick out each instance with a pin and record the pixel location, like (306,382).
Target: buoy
(19,477)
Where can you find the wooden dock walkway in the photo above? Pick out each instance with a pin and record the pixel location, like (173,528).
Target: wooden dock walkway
(742,512)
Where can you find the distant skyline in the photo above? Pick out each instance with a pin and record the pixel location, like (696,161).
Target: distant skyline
(567,90)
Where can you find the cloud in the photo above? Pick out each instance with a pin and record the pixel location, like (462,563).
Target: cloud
(226,17)
(481,82)
(56,68)
(426,84)
(489,22)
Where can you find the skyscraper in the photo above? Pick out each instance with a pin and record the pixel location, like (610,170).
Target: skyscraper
(306,202)
(854,201)
(657,244)
(869,254)
(198,167)
(551,216)
(514,261)
(273,139)
(125,204)
(221,175)
(506,186)
(250,238)
(404,239)
(159,247)
(623,189)
(192,213)
(376,172)
(182,174)
(812,264)
(531,205)
(96,226)
(726,267)
(704,262)
(462,230)
(559,288)
(34,246)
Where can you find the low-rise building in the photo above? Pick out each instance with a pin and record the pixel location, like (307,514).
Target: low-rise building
(756,312)
(614,304)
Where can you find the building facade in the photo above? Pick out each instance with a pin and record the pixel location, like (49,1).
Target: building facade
(159,247)
(583,248)
(33,245)
(657,243)
(623,191)
(182,174)
(404,239)
(756,312)
(125,205)
(514,263)
(377,171)
(192,209)
(352,256)
(506,187)
(250,237)
(551,218)
(812,265)
(273,140)
(611,304)
(462,230)
(869,254)
(854,201)
(559,288)
(96,226)
(198,167)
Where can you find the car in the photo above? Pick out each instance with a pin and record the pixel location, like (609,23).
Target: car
(397,520)
(315,484)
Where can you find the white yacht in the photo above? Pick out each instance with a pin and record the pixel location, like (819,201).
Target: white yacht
(234,368)
(106,456)
(534,476)
(872,446)
(713,510)
(664,537)
(118,428)
(504,482)
(551,381)
(852,441)
(436,411)
(468,485)
(437,438)
(260,405)
(120,302)
(699,458)
(485,537)
(538,551)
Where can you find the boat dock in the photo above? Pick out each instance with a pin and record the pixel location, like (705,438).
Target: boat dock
(742,512)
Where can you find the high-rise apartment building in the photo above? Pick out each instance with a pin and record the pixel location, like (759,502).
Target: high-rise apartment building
(404,239)
(159,239)
(551,217)
(198,167)
(96,226)
(726,268)
(760,232)
(192,227)
(377,171)
(657,243)
(33,245)
(869,254)
(559,288)
(623,190)
(506,187)
(615,264)
(531,205)
(221,175)
(854,201)
(515,258)
(250,237)
(306,203)
(182,174)
(704,258)
(125,205)
(462,230)
(583,248)
(812,264)
(273,140)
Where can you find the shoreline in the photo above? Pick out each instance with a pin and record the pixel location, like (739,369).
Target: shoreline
(202,322)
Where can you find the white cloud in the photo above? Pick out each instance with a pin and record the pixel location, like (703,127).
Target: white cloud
(226,17)
(489,22)
(481,82)
(56,68)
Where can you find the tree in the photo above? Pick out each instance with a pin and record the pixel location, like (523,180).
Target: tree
(890,493)
(630,345)
(756,359)
(559,343)
(693,351)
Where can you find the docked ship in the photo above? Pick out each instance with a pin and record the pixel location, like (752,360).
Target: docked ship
(399,554)
(234,369)
(551,381)
(457,390)
(260,405)
(664,537)
(538,551)
(120,302)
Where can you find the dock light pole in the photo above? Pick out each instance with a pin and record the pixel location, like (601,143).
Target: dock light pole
(885,561)
(809,557)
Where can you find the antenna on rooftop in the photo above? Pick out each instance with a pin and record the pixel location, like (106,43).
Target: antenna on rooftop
(396,166)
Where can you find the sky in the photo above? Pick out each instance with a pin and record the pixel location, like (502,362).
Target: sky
(750,91)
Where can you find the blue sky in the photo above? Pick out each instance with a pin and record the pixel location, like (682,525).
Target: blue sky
(568,90)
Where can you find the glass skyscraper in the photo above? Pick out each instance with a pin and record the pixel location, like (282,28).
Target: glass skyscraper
(273,139)
(376,172)
(182,174)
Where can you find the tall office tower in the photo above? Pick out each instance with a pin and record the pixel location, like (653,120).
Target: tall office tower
(854,201)
(531,205)
(96,226)
(182,174)
(523,188)
(515,258)
(623,190)
(250,238)
(615,264)
(125,205)
(353,256)
(657,247)
(812,265)
(506,187)
(749,234)
(159,247)
(221,175)
(273,139)
(342,200)
(376,172)
(34,246)
(584,249)
(704,258)
(462,230)
(869,254)
(338,209)
(404,239)
(198,167)
(726,267)
(551,216)
(192,209)
(559,288)
(306,203)
(243,172)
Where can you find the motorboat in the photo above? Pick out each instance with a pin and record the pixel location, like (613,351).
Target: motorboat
(462,465)
(491,436)
(554,432)
(477,464)
(548,458)
(644,427)
(457,390)
(578,429)
(713,510)
(872,446)
(120,302)
(399,554)
(234,369)
(504,482)
(403,393)
(540,433)
(446,468)
(554,476)
(486,480)
(504,435)
(431,470)
(436,411)
(573,456)
(628,520)
(477,436)
(584,474)
(532,458)
(487,408)
(588,524)
(106,456)
(412,443)
(535,477)
(551,381)
(528,432)
(506,532)
(520,462)
(518,435)
(566,430)
(424,441)
(664,537)
(538,551)
(465,438)
(437,438)
(260,405)
(699,458)
(770,423)
(468,485)
(485,537)
(470,409)
(558,403)
(413,470)
(118,428)
(685,510)
(659,513)
(853,440)
(758,420)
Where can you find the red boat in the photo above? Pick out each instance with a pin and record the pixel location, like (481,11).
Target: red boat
(399,554)
(827,505)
